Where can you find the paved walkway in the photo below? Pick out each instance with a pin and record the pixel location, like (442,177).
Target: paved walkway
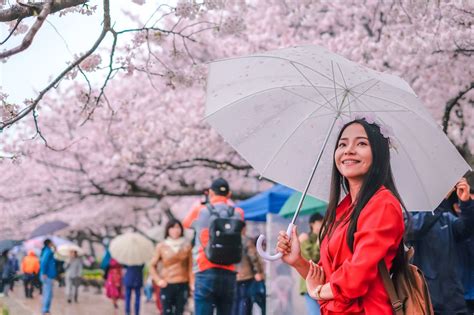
(90,303)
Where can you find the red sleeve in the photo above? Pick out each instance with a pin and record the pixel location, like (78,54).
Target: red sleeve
(191,216)
(241,212)
(379,228)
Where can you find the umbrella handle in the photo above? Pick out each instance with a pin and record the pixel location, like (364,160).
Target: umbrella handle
(266,255)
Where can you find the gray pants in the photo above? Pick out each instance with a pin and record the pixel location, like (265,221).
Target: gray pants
(72,287)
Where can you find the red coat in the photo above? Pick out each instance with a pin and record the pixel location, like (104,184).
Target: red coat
(354,277)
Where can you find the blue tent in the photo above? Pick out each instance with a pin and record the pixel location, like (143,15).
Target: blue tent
(269,201)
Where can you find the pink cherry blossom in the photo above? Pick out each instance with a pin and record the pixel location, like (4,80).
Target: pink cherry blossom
(147,143)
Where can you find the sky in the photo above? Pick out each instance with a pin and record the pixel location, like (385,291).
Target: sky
(59,39)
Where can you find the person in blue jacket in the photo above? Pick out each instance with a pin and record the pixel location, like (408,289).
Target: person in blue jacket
(435,236)
(133,281)
(47,274)
(466,255)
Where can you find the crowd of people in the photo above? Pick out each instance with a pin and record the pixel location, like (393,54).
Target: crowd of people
(40,273)
(179,271)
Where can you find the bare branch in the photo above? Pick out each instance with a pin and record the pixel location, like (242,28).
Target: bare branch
(106,28)
(20,11)
(28,39)
(12,31)
(450,105)
(109,74)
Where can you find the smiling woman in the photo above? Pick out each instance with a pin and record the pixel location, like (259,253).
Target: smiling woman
(359,231)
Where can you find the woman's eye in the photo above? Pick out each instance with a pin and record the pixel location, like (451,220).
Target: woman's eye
(340,145)
(363,143)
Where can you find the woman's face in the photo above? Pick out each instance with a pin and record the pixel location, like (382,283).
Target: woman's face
(316,227)
(175,232)
(353,154)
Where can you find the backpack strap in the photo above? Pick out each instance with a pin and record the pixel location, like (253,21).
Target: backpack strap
(230,211)
(212,210)
(397,305)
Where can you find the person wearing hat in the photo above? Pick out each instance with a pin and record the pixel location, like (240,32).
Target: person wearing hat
(214,284)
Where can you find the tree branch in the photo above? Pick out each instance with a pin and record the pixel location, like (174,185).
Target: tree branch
(28,39)
(106,28)
(450,105)
(19,12)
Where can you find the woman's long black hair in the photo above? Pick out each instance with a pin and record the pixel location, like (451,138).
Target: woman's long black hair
(379,173)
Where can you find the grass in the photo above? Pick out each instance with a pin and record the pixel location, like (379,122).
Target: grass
(5,311)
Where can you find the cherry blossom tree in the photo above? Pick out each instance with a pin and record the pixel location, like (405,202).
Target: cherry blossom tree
(139,135)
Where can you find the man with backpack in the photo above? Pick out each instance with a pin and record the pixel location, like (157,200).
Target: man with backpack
(218,246)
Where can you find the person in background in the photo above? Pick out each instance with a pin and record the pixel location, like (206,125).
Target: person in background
(435,236)
(113,284)
(104,264)
(30,267)
(47,274)
(60,273)
(215,284)
(466,257)
(249,271)
(173,258)
(133,281)
(15,267)
(8,273)
(73,275)
(310,245)
(258,290)
(3,262)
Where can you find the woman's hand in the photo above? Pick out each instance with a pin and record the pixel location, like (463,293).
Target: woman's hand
(289,248)
(162,284)
(314,279)
(192,286)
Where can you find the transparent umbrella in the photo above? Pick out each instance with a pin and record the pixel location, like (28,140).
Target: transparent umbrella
(280,111)
(131,249)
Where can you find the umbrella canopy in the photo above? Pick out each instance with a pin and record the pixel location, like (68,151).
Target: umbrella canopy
(36,244)
(310,205)
(49,228)
(63,251)
(280,110)
(269,201)
(8,244)
(131,249)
